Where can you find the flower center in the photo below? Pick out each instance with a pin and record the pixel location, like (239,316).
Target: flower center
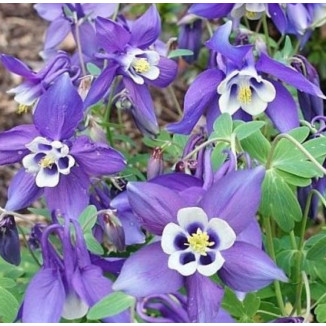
(245,94)
(46,162)
(199,242)
(251,14)
(141,65)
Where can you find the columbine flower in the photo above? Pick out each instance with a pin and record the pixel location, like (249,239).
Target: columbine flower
(127,49)
(64,17)
(36,83)
(243,87)
(65,286)
(202,236)
(252,11)
(55,162)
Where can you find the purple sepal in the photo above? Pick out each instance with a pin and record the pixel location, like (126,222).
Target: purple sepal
(146,273)
(211,10)
(204,299)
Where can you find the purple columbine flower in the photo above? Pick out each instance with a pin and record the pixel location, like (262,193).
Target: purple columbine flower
(65,286)
(243,88)
(236,11)
(36,83)
(65,16)
(200,236)
(128,52)
(56,162)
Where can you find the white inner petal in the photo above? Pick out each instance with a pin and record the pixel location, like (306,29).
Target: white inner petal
(152,73)
(169,235)
(30,164)
(44,179)
(223,230)
(212,268)
(74,307)
(192,215)
(184,269)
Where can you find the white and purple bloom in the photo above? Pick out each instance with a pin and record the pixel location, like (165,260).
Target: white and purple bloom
(128,53)
(236,11)
(243,87)
(67,285)
(36,83)
(200,236)
(56,162)
(65,17)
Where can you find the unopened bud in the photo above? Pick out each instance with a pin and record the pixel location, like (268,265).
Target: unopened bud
(114,236)
(155,164)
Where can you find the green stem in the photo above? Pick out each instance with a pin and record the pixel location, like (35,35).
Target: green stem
(175,100)
(209,28)
(203,145)
(114,17)
(265,27)
(107,113)
(271,250)
(308,297)
(300,253)
(28,247)
(298,146)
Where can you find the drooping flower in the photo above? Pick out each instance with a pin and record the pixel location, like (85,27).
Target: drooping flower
(236,11)
(36,83)
(128,53)
(56,162)
(64,18)
(200,236)
(9,240)
(243,87)
(66,286)
(190,31)
(172,308)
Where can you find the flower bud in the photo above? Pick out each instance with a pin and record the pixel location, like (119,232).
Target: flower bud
(310,105)
(155,166)
(114,236)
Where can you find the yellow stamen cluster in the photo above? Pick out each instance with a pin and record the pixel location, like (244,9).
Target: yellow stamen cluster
(22,108)
(251,14)
(46,162)
(199,242)
(245,94)
(141,65)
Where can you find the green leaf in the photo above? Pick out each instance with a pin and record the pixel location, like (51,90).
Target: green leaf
(7,283)
(93,69)
(251,304)
(180,53)
(88,218)
(232,304)
(279,202)
(246,129)
(318,250)
(257,146)
(320,312)
(40,211)
(223,126)
(92,244)
(293,179)
(111,305)
(8,306)
(218,157)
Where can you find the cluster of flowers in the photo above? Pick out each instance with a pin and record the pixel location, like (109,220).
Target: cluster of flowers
(195,229)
